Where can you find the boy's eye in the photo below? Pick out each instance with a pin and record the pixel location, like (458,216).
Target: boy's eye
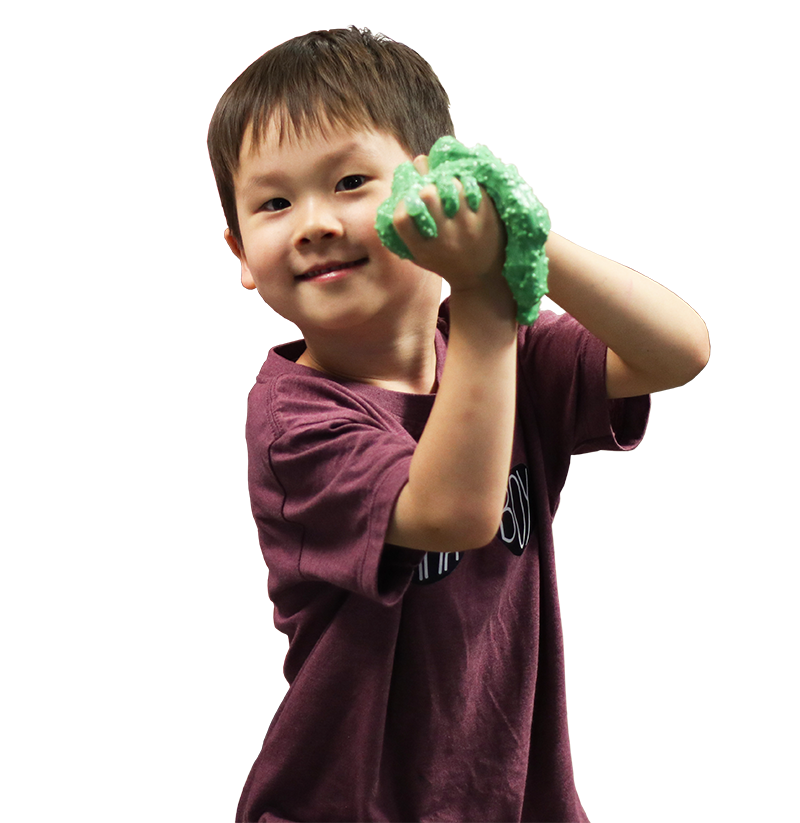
(276,204)
(352,181)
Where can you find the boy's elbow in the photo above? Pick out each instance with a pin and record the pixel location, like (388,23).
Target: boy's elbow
(682,372)
(466,528)
(687,363)
(439,527)
(704,349)
(698,356)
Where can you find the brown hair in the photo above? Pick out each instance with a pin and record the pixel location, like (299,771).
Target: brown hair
(342,77)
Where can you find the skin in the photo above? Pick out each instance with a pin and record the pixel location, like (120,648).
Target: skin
(655,340)
(307,204)
(307,210)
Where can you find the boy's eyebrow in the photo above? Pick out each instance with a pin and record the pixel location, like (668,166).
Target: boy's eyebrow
(277,176)
(262,180)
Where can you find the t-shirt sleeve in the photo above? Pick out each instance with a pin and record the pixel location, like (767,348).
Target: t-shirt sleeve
(563,366)
(325,473)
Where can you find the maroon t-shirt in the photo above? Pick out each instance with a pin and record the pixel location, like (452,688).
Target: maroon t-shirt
(423,686)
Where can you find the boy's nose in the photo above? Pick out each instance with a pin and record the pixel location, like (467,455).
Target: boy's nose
(317,221)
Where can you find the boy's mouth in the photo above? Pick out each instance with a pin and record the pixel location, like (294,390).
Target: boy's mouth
(329,269)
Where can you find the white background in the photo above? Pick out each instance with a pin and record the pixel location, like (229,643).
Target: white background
(103,338)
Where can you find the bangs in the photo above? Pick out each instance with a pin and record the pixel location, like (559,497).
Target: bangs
(293,120)
(301,97)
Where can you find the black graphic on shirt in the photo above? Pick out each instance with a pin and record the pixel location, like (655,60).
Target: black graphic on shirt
(514,532)
(515,527)
(435,566)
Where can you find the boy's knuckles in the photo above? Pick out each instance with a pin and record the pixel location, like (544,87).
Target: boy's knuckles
(400,217)
(429,195)
(421,164)
(462,246)
(415,239)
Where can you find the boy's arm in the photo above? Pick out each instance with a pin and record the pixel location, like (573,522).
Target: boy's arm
(454,497)
(655,340)
(456,489)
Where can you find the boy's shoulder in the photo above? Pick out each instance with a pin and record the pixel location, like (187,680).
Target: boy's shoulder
(288,397)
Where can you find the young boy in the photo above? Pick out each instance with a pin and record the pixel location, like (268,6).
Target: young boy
(406,460)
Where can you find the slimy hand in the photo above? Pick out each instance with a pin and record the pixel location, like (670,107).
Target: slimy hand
(526,221)
(434,224)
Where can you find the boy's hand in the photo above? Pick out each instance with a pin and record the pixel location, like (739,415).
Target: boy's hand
(466,239)
(456,172)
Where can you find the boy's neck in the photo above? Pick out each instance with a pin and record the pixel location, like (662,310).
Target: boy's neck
(403,363)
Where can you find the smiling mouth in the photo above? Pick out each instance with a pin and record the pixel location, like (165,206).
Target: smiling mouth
(329,269)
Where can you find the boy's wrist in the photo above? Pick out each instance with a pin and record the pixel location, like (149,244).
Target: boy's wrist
(487,300)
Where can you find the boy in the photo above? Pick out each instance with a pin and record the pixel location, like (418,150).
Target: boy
(404,501)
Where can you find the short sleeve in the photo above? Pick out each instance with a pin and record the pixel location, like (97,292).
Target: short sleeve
(563,367)
(326,469)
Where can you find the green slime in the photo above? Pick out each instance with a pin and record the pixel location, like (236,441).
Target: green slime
(526,220)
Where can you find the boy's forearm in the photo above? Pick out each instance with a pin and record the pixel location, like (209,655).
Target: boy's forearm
(656,341)
(457,482)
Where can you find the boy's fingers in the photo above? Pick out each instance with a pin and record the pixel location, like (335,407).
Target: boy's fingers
(472,191)
(450,194)
(421,164)
(412,211)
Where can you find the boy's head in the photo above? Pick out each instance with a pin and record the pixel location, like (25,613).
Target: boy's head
(342,77)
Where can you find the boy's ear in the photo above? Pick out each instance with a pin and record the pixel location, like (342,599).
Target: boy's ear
(233,245)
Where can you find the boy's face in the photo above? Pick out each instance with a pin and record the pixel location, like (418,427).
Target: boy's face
(307,209)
